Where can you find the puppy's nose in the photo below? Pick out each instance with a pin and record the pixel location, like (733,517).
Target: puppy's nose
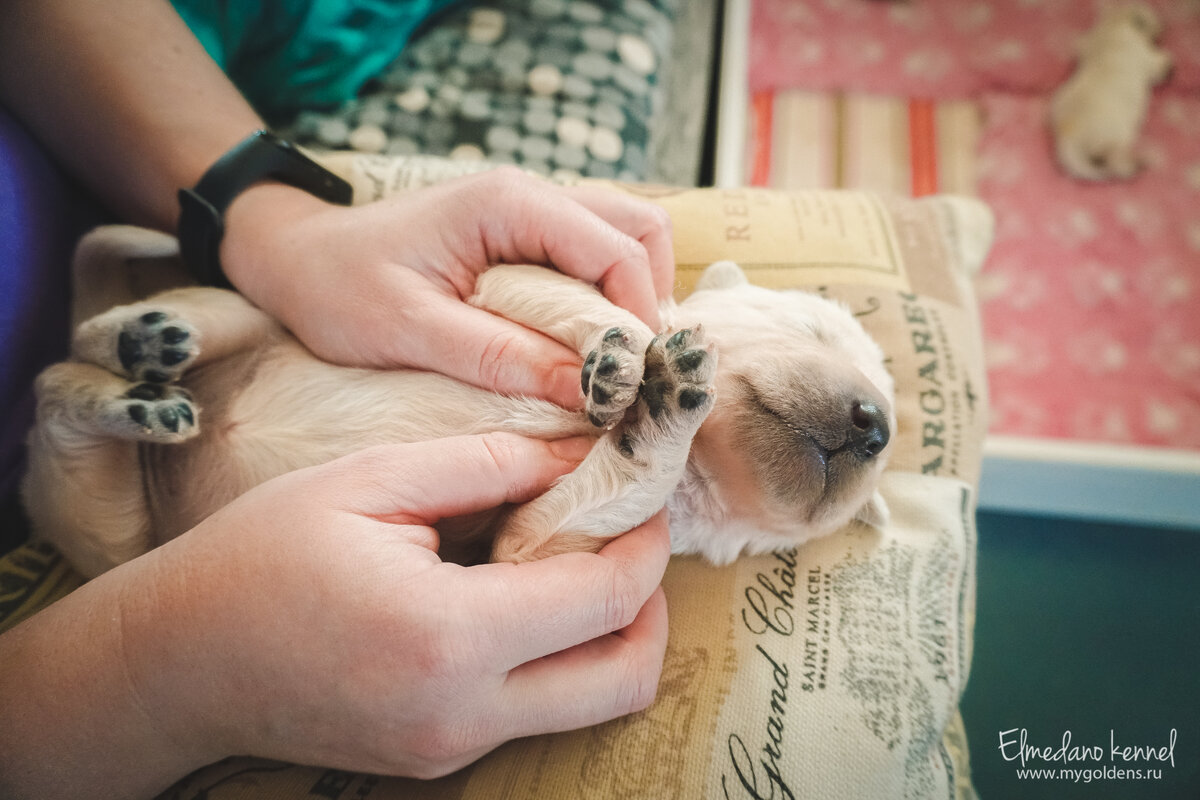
(868,433)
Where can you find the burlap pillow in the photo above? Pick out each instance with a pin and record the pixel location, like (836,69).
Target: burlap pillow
(833,671)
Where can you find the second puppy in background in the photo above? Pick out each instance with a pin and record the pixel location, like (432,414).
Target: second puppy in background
(1097,115)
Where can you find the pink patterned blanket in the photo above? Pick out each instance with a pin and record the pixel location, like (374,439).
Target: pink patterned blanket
(1091,297)
(941,48)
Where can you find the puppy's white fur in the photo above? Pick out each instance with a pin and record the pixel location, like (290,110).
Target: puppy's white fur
(762,423)
(1097,115)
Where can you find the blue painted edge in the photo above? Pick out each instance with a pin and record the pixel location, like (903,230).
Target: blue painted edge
(1132,485)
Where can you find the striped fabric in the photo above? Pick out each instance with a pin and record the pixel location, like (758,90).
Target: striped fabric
(32,577)
(811,140)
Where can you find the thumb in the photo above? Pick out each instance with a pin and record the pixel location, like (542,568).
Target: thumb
(421,483)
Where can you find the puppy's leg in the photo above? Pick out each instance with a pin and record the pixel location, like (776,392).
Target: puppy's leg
(156,340)
(82,400)
(1123,162)
(611,340)
(632,469)
(1162,66)
(83,486)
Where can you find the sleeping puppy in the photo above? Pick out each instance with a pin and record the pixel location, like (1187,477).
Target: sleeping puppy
(1097,114)
(172,406)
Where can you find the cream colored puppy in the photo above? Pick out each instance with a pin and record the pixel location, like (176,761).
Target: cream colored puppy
(172,406)
(1097,114)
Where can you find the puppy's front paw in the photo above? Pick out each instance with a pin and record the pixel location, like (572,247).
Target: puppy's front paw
(156,347)
(611,376)
(152,412)
(678,385)
(143,345)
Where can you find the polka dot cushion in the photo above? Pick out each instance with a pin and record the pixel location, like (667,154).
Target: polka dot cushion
(560,87)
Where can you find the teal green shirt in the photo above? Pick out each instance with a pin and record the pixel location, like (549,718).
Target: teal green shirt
(290,55)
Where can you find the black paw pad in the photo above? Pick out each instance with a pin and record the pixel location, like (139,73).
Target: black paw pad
(685,338)
(154,347)
(169,418)
(679,374)
(614,335)
(146,391)
(160,412)
(585,378)
(600,395)
(129,350)
(655,393)
(690,360)
(610,377)
(139,413)
(174,335)
(690,398)
(171,356)
(607,366)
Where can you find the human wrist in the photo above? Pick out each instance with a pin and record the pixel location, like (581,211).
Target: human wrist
(262,156)
(174,665)
(258,224)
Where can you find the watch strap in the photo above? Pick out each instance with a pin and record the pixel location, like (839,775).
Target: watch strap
(260,156)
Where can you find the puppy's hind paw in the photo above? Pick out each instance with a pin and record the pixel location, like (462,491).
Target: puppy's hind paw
(144,345)
(152,412)
(611,376)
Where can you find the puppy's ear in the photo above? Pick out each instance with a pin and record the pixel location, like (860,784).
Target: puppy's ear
(875,513)
(722,275)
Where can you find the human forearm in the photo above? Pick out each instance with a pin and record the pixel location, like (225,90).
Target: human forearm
(124,95)
(311,621)
(71,722)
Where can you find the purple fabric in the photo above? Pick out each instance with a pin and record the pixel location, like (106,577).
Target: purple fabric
(41,217)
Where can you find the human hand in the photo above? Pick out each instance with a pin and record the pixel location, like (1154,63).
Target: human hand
(312,620)
(383,284)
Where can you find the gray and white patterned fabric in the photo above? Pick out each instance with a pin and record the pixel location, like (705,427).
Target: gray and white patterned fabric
(564,88)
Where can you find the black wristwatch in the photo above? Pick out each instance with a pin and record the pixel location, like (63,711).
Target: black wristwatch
(202,209)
